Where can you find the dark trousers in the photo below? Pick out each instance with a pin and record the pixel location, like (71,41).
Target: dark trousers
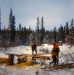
(54,60)
(33,51)
(57,61)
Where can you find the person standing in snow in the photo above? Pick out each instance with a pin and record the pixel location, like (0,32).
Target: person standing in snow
(55,54)
(34,47)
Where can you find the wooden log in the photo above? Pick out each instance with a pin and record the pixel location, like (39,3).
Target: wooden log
(3,60)
(10,60)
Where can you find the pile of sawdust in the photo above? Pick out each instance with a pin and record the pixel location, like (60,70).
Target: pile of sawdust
(23,64)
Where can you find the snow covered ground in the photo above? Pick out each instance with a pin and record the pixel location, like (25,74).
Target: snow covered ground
(66,56)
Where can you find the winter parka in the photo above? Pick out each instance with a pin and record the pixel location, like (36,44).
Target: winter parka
(55,50)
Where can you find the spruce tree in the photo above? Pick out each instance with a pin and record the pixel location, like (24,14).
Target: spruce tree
(37,33)
(11,26)
(37,29)
(42,31)
(70,37)
(67,29)
(62,34)
(54,34)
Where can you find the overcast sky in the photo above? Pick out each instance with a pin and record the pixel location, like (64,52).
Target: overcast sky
(55,12)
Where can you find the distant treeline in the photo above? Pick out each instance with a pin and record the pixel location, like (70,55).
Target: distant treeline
(12,36)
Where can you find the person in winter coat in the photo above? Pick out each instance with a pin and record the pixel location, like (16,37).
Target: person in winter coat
(55,54)
(34,47)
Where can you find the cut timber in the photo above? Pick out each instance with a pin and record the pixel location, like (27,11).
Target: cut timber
(10,60)
(25,57)
(3,60)
(40,57)
(62,66)
(22,58)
